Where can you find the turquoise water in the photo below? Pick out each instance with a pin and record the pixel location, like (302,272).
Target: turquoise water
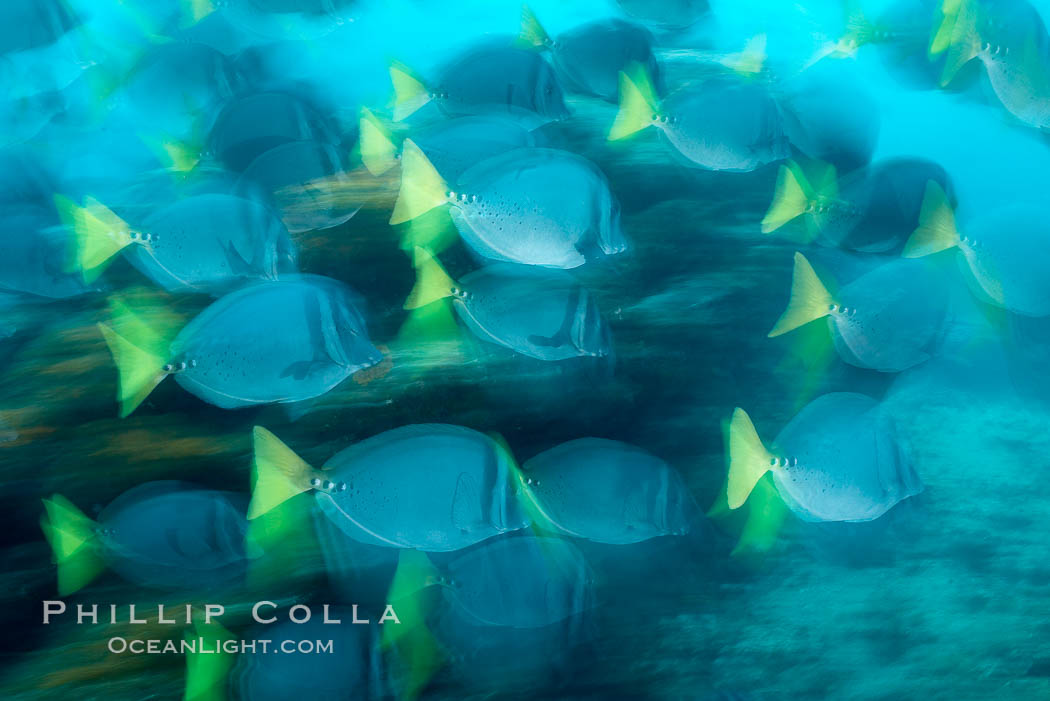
(941,597)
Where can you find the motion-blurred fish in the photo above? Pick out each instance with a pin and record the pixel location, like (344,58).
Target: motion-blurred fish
(1007,250)
(670,14)
(544,314)
(204,243)
(828,115)
(28,24)
(164,535)
(452,145)
(250,125)
(725,123)
(297,20)
(589,58)
(874,209)
(260,675)
(889,319)
(534,206)
(303,180)
(38,253)
(271,342)
(483,80)
(1010,39)
(608,491)
(837,460)
(431,487)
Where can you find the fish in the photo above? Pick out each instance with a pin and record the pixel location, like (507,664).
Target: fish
(486,79)
(451,145)
(250,125)
(302,180)
(1010,40)
(838,459)
(608,491)
(204,243)
(431,487)
(726,123)
(30,24)
(160,535)
(38,253)
(535,206)
(889,319)
(1005,251)
(293,20)
(829,116)
(872,210)
(667,14)
(588,58)
(518,580)
(284,341)
(176,90)
(537,312)
(278,659)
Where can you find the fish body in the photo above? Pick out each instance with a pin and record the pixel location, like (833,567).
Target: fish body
(284,341)
(456,145)
(211,243)
(537,206)
(670,14)
(432,487)
(724,124)
(589,58)
(609,492)
(544,314)
(38,253)
(520,581)
(303,180)
(172,535)
(838,459)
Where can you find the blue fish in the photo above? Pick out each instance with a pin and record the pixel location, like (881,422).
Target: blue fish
(520,581)
(204,243)
(482,80)
(838,460)
(304,180)
(432,487)
(667,14)
(608,491)
(452,145)
(589,58)
(359,674)
(252,124)
(161,535)
(541,313)
(1004,251)
(536,206)
(725,123)
(272,342)
(28,24)
(38,253)
(889,319)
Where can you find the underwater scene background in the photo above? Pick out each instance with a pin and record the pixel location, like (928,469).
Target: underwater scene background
(661,349)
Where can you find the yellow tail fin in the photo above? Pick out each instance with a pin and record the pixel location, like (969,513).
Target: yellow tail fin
(410,93)
(279,474)
(638,103)
(422,187)
(532,32)
(936,231)
(432,282)
(751,60)
(417,652)
(139,351)
(748,459)
(206,670)
(71,536)
(810,299)
(99,234)
(378,152)
(791,198)
(964,44)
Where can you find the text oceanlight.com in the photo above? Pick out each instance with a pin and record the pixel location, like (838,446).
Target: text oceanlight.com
(205,646)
